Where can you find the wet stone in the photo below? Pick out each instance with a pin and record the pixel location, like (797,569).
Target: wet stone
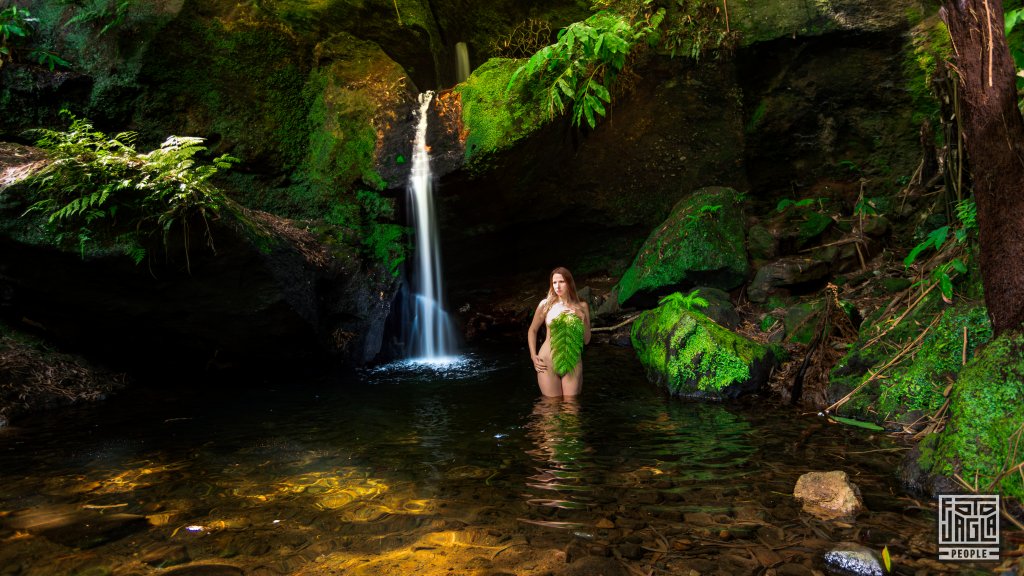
(829,495)
(163,555)
(631,551)
(854,559)
(77,528)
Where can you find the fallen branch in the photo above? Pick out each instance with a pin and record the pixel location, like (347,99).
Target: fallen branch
(617,326)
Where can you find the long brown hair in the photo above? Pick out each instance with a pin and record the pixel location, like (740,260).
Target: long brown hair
(571,296)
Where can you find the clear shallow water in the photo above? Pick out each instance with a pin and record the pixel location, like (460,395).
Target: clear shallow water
(439,470)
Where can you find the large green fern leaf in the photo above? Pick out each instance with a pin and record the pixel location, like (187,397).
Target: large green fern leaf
(566,342)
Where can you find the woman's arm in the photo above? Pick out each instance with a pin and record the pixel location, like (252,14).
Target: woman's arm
(531,339)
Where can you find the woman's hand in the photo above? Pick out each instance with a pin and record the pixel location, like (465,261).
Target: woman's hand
(539,365)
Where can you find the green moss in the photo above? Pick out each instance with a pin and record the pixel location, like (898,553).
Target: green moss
(801,322)
(690,354)
(928,48)
(757,116)
(701,242)
(919,385)
(496,117)
(241,81)
(985,418)
(343,142)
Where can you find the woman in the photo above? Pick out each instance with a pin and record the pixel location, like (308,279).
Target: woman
(562,299)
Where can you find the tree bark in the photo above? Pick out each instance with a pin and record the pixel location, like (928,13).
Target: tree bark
(993,132)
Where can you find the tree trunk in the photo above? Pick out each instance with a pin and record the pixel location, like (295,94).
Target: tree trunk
(994,136)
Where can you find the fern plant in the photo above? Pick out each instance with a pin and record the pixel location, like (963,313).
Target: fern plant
(584,63)
(691,301)
(947,253)
(566,342)
(102,187)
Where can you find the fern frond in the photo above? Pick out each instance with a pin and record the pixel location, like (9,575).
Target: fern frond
(566,342)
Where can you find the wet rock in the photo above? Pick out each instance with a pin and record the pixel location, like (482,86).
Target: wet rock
(630,551)
(855,560)
(694,357)
(829,495)
(876,226)
(761,243)
(76,528)
(163,555)
(591,565)
(790,274)
(719,308)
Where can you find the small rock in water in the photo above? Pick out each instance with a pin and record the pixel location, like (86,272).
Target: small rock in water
(855,559)
(163,555)
(829,495)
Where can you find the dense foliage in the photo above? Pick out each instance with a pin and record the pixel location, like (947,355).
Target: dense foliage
(101,187)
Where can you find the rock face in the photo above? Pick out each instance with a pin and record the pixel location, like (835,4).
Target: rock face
(271,297)
(701,242)
(692,356)
(829,495)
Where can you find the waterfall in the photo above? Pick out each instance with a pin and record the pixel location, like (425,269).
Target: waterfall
(461,62)
(432,337)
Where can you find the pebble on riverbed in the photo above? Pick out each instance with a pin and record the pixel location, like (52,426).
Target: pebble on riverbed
(829,495)
(854,559)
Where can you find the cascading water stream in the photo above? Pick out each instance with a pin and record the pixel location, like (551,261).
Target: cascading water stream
(432,338)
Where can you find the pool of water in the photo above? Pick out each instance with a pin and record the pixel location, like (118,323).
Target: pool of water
(420,469)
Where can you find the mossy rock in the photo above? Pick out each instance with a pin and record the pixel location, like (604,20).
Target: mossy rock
(917,384)
(801,321)
(762,21)
(985,419)
(494,115)
(355,99)
(701,243)
(692,356)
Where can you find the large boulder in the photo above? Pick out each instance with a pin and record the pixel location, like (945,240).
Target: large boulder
(701,242)
(692,356)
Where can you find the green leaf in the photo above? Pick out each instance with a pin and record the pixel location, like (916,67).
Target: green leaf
(566,342)
(595,104)
(946,285)
(564,85)
(886,559)
(938,236)
(857,423)
(601,92)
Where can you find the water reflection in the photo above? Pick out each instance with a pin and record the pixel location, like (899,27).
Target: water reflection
(562,459)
